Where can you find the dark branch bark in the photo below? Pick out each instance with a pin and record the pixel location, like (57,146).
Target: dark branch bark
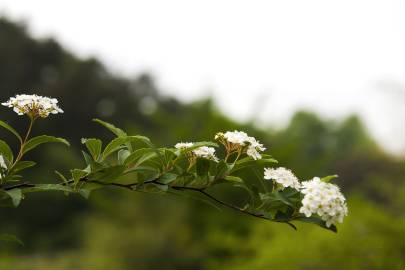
(131,186)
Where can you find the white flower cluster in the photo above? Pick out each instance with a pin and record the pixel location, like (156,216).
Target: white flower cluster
(323,199)
(320,198)
(33,105)
(183,145)
(282,176)
(240,139)
(236,137)
(206,152)
(203,151)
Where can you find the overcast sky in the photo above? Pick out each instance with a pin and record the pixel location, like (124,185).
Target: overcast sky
(257,58)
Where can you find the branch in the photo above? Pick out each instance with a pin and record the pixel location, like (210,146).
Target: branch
(131,186)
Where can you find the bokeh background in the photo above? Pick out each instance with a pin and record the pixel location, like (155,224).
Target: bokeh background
(322,85)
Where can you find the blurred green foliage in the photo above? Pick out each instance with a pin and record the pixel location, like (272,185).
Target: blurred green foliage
(121,230)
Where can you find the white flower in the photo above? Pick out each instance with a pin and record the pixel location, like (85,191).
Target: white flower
(2,165)
(206,152)
(282,176)
(323,199)
(33,105)
(2,162)
(241,139)
(203,151)
(236,137)
(183,145)
(254,148)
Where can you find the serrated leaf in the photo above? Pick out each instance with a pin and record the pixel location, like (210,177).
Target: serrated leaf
(36,141)
(9,128)
(117,131)
(94,146)
(22,165)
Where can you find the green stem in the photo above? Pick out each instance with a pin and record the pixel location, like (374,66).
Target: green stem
(23,142)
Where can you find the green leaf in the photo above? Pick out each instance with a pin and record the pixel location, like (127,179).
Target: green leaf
(163,188)
(233,179)
(250,162)
(5,150)
(140,156)
(88,188)
(167,178)
(202,166)
(143,169)
(117,131)
(276,196)
(123,155)
(15,195)
(200,144)
(22,165)
(48,187)
(77,175)
(9,128)
(94,146)
(223,169)
(119,143)
(87,158)
(108,174)
(318,221)
(329,178)
(10,238)
(34,142)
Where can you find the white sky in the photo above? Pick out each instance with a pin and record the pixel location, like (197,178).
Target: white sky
(264,58)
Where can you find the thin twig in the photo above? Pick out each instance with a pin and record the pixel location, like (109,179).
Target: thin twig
(131,186)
